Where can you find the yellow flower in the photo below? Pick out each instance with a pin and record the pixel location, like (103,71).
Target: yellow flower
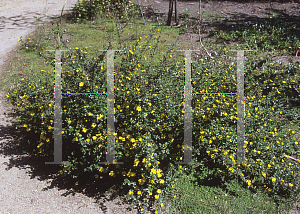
(249,182)
(153,171)
(142,181)
(156,196)
(111,173)
(94,125)
(99,116)
(273,179)
(139,192)
(136,162)
(84,130)
(81,84)
(264,174)
(139,108)
(291,185)
(40,145)
(130,192)
(162,181)
(158,191)
(131,174)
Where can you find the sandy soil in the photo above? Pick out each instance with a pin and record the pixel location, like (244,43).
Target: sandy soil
(227,9)
(19,17)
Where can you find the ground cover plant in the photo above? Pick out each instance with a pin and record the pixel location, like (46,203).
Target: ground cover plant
(149,118)
(88,10)
(279,33)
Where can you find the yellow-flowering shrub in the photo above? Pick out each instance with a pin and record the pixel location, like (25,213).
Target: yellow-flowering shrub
(149,120)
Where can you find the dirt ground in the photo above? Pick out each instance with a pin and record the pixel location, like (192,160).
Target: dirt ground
(23,191)
(227,14)
(229,10)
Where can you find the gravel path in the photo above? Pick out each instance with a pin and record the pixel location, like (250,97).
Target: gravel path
(24,188)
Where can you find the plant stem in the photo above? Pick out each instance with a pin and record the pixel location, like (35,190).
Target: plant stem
(200,21)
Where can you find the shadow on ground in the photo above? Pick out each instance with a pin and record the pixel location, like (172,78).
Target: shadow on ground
(19,149)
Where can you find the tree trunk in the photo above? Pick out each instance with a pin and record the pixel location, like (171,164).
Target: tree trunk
(170,13)
(176,13)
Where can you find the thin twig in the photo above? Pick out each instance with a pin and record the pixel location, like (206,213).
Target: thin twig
(199,33)
(191,169)
(22,161)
